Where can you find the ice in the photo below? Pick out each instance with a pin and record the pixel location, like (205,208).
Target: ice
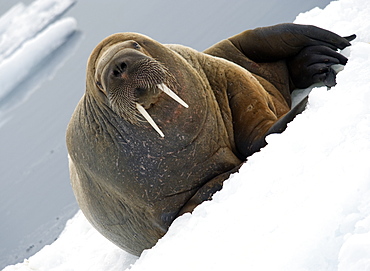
(20,64)
(6,19)
(29,35)
(25,23)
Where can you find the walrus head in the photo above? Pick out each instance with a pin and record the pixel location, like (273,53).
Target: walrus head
(133,81)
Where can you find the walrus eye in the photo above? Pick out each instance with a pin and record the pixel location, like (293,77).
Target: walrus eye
(99,85)
(135,45)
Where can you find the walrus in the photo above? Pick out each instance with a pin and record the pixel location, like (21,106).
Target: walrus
(160,127)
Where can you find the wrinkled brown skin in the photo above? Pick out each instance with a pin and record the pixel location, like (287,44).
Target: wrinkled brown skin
(131,183)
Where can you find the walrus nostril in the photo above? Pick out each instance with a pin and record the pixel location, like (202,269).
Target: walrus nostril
(116,73)
(123,66)
(119,69)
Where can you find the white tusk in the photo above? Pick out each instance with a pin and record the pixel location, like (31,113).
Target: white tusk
(172,94)
(149,119)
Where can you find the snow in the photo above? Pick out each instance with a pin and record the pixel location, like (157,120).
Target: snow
(301,203)
(77,250)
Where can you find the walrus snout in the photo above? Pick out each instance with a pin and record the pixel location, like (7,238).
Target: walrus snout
(133,81)
(136,64)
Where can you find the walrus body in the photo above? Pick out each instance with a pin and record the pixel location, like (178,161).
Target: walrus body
(130,181)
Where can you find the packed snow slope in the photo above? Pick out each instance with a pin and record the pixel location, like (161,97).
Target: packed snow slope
(301,203)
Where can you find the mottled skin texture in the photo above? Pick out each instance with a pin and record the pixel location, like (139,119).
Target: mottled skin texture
(131,183)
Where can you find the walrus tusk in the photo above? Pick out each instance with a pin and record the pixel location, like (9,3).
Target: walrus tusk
(172,94)
(149,119)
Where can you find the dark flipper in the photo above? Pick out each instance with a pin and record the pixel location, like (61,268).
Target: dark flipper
(280,125)
(313,65)
(310,51)
(350,38)
(266,44)
(206,192)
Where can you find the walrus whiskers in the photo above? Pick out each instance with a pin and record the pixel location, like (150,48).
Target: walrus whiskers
(172,94)
(149,119)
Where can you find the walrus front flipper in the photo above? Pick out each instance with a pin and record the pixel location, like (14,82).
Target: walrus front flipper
(279,126)
(313,65)
(282,123)
(267,44)
(206,192)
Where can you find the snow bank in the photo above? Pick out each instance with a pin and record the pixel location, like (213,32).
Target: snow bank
(302,203)
(28,35)
(80,248)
